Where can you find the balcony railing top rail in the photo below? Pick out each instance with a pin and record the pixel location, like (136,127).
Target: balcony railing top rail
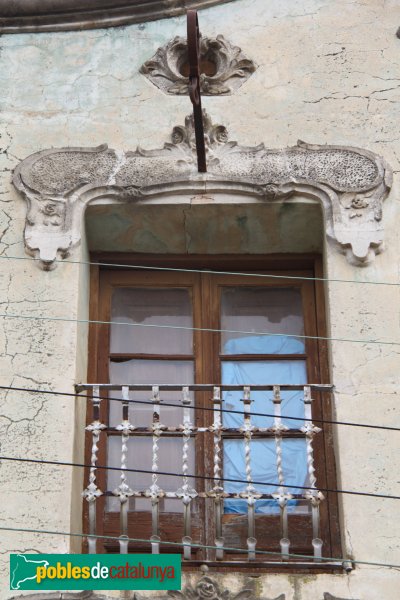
(201,387)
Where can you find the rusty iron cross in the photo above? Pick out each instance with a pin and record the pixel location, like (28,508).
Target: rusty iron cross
(193,41)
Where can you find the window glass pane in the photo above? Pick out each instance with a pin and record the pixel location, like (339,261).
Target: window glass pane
(270,310)
(263,466)
(140,457)
(151,307)
(153,372)
(264,372)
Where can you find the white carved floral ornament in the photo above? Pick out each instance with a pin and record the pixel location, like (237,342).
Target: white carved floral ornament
(232,67)
(59,183)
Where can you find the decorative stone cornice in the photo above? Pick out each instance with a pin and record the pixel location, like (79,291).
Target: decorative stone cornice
(23,16)
(58,184)
(232,67)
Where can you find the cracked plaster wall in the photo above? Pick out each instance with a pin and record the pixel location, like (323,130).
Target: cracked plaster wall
(328,72)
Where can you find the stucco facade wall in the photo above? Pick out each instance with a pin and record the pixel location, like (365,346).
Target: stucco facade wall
(328,72)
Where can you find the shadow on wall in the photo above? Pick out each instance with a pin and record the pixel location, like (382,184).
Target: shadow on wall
(206,227)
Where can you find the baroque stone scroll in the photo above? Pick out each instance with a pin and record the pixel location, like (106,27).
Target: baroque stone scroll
(58,184)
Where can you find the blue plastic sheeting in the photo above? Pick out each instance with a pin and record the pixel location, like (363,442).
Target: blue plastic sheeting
(263,467)
(264,372)
(265,344)
(263,453)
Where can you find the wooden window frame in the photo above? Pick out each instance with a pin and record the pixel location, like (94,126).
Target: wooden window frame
(309,266)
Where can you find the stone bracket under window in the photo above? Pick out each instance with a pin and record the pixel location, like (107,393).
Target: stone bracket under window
(206,588)
(224,67)
(58,184)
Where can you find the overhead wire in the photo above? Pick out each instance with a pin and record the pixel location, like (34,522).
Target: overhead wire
(205,329)
(191,476)
(200,546)
(206,271)
(200,408)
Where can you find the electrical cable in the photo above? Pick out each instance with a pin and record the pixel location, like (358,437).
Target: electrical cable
(204,408)
(205,329)
(200,546)
(206,271)
(202,477)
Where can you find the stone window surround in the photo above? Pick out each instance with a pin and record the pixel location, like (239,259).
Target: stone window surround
(182,135)
(57,184)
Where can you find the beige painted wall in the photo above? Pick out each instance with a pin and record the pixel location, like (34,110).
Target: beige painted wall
(328,72)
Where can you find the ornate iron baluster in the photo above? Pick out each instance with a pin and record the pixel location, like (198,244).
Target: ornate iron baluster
(251,493)
(92,492)
(186,492)
(123,491)
(313,495)
(218,491)
(155,493)
(282,496)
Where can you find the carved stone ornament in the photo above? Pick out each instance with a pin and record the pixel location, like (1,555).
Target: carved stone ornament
(20,16)
(207,588)
(58,184)
(232,68)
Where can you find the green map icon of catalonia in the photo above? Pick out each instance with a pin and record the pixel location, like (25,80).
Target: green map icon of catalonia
(23,570)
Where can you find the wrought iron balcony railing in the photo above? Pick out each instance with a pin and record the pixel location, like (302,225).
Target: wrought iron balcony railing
(219,491)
